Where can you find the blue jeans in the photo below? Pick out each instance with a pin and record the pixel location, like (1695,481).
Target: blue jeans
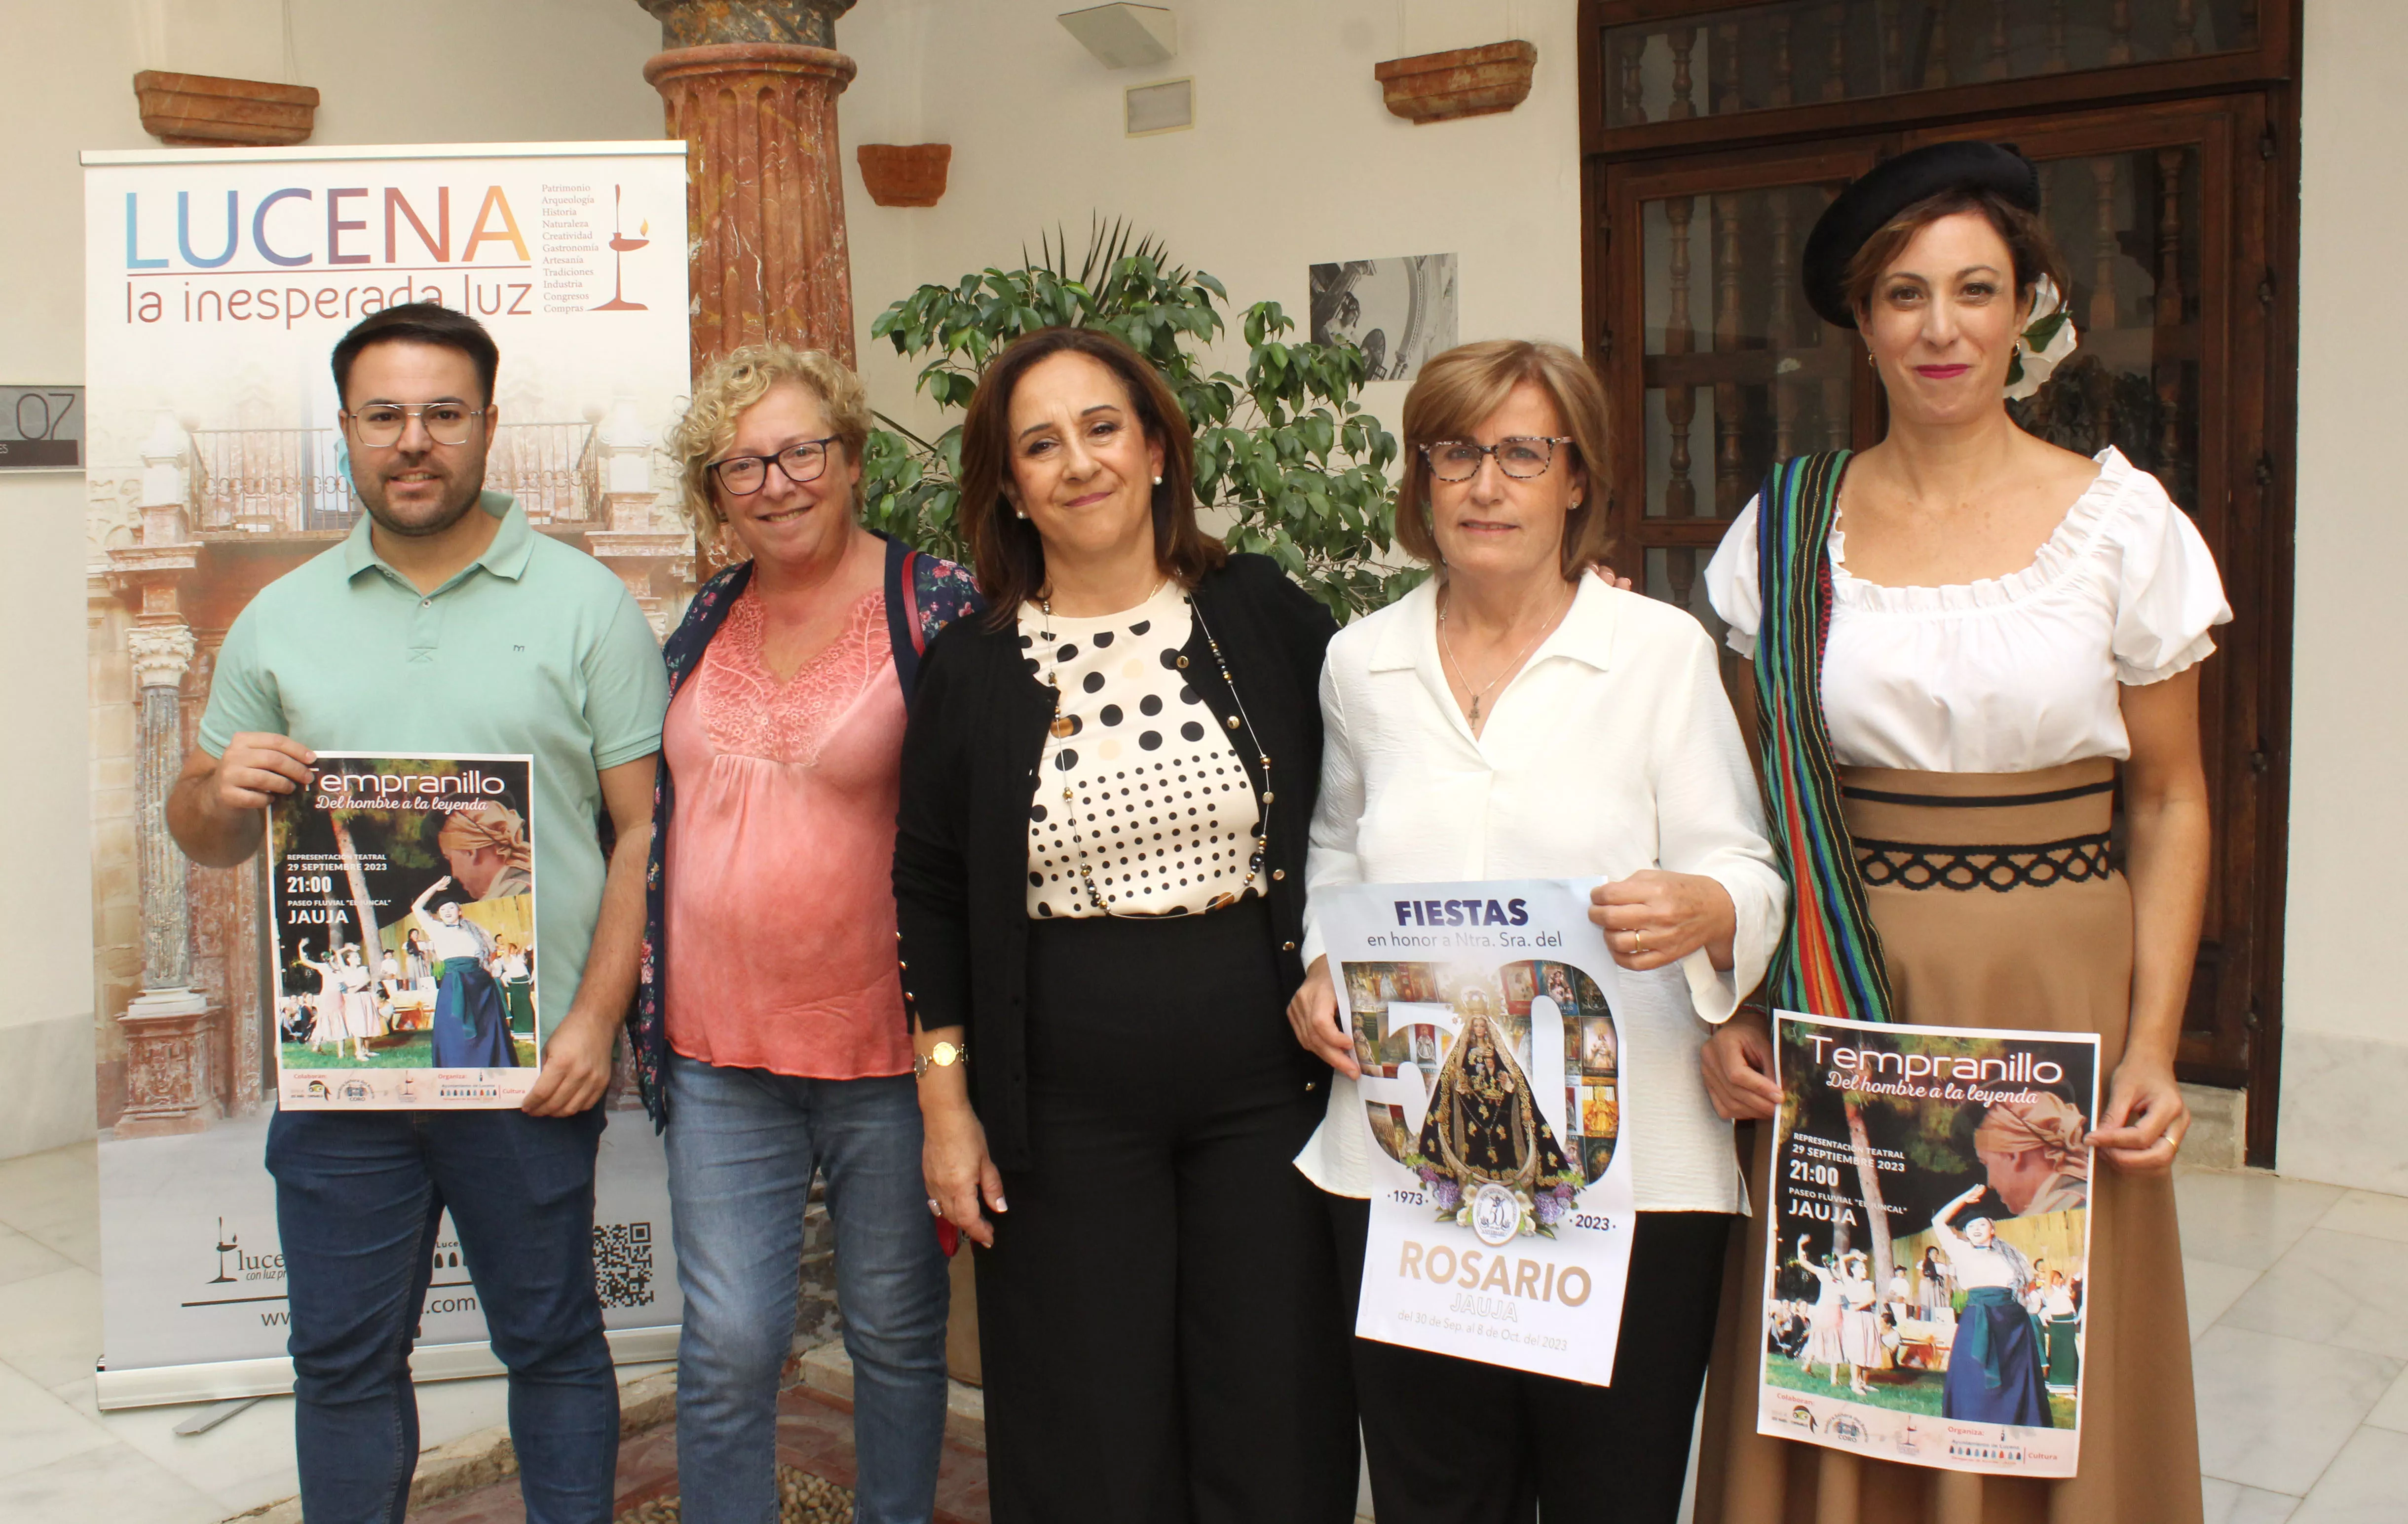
(358,1195)
(742,1146)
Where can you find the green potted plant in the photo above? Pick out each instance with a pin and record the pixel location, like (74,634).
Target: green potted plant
(1284,452)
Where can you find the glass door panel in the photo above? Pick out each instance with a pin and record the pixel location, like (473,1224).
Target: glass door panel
(1731,371)
(2130,229)
(1760,57)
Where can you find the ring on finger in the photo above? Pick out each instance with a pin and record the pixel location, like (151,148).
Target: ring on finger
(1638,945)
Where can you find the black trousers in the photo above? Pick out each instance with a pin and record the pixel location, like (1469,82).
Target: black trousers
(1459,1441)
(1160,1318)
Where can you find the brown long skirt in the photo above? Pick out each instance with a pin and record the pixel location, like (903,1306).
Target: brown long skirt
(2054,954)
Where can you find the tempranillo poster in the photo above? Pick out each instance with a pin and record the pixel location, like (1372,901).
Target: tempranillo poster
(405,927)
(1930,1243)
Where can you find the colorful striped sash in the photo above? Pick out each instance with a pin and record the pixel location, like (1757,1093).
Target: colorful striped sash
(1830,962)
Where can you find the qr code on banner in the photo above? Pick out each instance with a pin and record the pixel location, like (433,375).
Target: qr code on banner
(622,1263)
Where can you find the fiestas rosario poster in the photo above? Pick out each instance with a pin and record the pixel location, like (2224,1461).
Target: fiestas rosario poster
(1486,1021)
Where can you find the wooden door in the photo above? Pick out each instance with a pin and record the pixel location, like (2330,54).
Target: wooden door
(2167,213)
(1716,366)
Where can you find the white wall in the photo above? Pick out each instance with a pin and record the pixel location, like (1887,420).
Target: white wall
(530,70)
(2345,1006)
(79,95)
(1293,159)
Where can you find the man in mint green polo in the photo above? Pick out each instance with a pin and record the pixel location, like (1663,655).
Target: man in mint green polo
(445,624)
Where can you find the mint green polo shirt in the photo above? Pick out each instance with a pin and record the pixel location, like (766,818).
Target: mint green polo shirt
(536,648)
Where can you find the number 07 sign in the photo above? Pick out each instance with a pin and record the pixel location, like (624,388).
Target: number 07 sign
(41,428)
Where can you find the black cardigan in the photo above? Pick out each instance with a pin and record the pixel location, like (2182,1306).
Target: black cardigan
(970,756)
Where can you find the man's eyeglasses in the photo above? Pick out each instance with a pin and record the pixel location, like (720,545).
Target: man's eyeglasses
(1521,457)
(741,476)
(381,425)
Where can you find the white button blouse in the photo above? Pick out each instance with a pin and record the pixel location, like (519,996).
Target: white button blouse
(2007,674)
(1611,751)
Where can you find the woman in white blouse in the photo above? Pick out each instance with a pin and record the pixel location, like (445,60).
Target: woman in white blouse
(1515,718)
(1956,636)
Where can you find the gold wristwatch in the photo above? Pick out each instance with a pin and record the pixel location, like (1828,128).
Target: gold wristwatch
(943,1056)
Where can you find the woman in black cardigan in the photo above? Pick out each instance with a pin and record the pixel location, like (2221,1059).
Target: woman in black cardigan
(1100,876)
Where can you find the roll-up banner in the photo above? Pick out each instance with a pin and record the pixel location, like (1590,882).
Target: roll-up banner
(216,284)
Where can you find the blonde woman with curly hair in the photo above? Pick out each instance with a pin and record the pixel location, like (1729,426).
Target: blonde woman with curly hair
(768,1029)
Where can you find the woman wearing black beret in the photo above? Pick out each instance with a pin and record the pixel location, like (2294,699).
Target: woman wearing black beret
(1957,636)
(1100,879)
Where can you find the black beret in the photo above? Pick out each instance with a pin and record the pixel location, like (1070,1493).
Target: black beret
(1888,188)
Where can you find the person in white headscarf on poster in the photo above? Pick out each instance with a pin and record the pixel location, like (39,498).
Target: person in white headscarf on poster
(486,848)
(2034,1152)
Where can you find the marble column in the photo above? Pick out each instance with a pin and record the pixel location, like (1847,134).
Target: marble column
(167,1085)
(751,85)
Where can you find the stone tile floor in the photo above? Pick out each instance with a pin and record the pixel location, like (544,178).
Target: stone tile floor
(2299,1301)
(814,1435)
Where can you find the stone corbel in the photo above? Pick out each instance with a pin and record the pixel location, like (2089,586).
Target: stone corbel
(903,174)
(1461,83)
(202,110)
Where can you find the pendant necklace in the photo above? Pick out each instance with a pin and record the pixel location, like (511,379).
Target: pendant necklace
(1480,693)
(1064,725)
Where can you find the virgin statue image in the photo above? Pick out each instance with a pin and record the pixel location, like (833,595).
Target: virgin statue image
(1484,1125)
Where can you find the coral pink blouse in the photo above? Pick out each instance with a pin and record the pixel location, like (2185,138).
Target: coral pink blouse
(781,901)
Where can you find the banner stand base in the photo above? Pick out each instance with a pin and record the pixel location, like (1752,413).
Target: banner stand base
(219,1380)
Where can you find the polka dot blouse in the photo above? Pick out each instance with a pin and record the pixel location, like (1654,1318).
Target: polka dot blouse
(1159,810)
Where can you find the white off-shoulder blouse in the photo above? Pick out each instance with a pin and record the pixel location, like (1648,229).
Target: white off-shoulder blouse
(2007,674)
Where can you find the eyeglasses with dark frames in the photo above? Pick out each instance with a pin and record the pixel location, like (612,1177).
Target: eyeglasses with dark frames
(1521,457)
(741,476)
(381,425)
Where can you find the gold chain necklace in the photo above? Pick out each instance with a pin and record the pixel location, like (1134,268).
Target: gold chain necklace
(1508,669)
(1062,728)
